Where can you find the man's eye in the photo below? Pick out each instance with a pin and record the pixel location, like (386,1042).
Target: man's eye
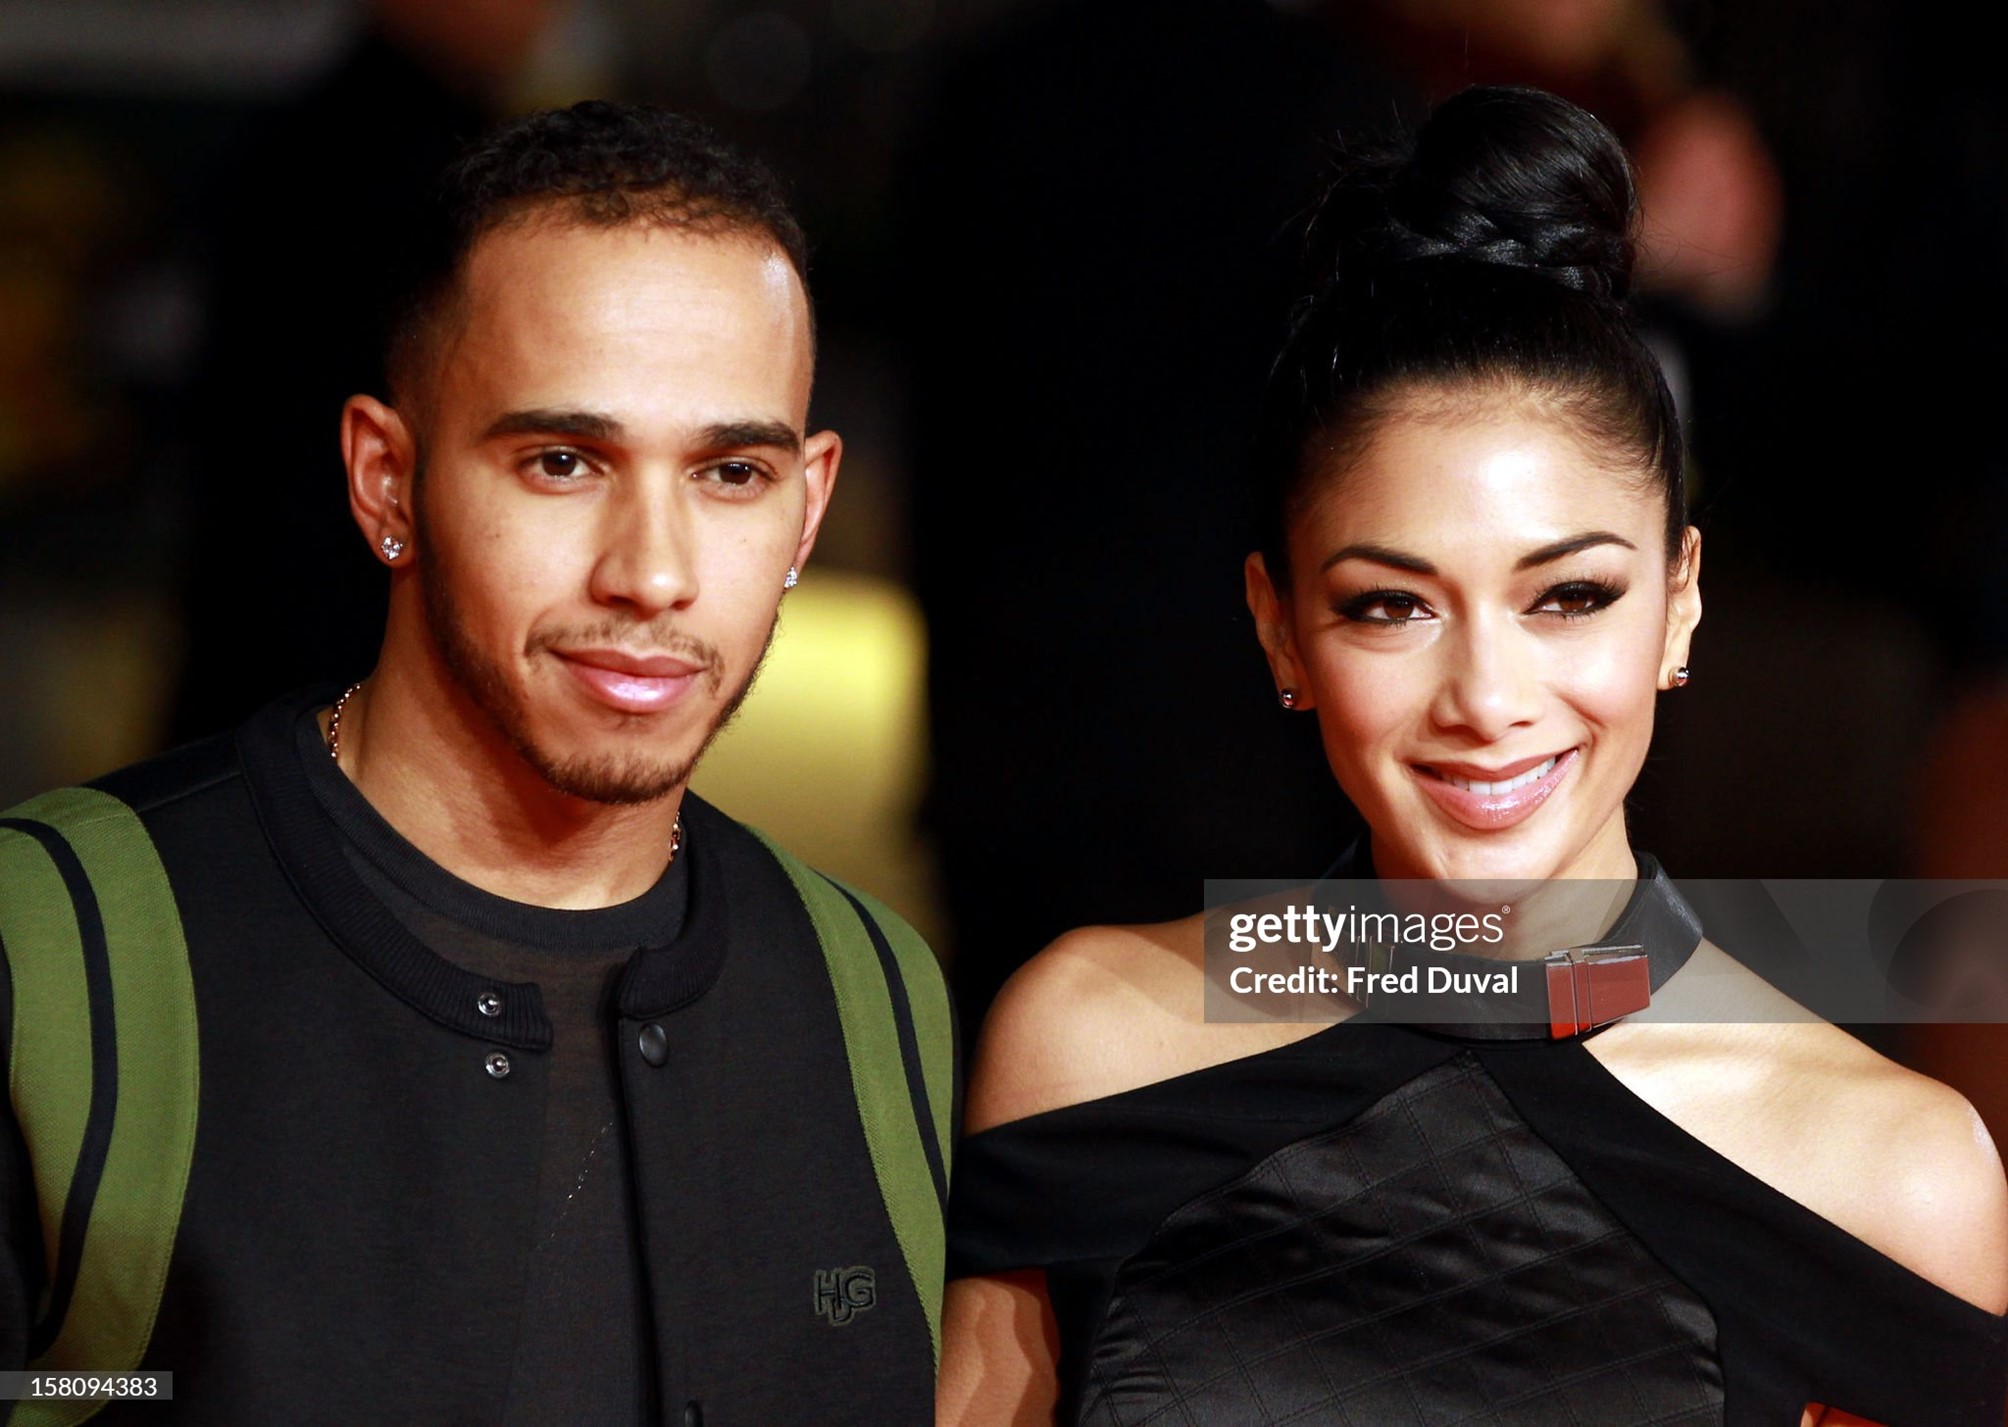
(1383,607)
(735,473)
(560,465)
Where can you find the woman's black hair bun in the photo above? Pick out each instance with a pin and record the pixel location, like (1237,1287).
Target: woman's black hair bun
(1500,175)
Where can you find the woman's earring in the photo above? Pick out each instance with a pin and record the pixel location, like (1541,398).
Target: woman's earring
(392,547)
(1287,698)
(1681,676)
(792,580)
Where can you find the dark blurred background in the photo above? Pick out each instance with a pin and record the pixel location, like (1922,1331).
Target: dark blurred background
(1052,253)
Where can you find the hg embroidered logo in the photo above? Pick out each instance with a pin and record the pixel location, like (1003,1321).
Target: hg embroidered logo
(843,1293)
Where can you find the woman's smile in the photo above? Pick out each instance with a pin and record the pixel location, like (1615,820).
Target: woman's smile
(1486,799)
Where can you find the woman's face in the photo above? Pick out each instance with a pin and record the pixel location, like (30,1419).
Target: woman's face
(1482,614)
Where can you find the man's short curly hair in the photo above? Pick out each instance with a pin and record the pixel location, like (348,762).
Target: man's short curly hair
(597,164)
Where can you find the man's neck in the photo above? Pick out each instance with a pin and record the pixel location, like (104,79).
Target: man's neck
(439,773)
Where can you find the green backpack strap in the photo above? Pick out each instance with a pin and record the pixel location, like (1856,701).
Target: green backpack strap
(102,1072)
(900,1039)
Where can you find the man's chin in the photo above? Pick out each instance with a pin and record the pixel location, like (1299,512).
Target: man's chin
(630,778)
(614,780)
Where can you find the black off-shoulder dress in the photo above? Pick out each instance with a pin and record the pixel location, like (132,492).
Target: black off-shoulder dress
(1383,1225)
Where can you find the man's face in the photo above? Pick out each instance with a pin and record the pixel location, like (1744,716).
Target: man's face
(616,482)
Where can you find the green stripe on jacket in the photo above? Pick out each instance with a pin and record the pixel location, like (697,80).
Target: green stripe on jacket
(878,1070)
(137,1210)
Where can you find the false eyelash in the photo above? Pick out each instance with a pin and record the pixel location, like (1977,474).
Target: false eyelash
(1602,593)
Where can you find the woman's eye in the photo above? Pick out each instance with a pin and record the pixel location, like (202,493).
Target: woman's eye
(1578,598)
(560,465)
(1383,607)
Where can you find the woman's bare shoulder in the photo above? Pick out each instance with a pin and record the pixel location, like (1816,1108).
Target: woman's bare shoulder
(1893,1157)
(1102,1010)
(1899,1159)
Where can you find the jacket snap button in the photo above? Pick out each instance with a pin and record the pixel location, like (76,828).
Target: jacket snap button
(497,1063)
(488,1004)
(654,1042)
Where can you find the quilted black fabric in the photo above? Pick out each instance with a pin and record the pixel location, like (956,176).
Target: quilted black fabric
(1430,1262)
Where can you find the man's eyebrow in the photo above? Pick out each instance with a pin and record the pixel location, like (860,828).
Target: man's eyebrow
(1547,554)
(555,421)
(737,435)
(1380,555)
(597,426)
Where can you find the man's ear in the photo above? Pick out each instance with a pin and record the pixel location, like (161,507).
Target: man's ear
(822,453)
(381,454)
(1683,606)
(1272,627)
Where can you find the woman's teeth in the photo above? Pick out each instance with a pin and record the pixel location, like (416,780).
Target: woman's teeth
(1492,790)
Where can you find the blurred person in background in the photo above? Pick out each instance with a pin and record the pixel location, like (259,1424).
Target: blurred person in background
(310,241)
(425,1050)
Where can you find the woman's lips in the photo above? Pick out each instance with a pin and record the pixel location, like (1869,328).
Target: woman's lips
(1489,799)
(628,683)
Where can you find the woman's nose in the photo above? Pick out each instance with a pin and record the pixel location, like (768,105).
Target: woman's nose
(1490,680)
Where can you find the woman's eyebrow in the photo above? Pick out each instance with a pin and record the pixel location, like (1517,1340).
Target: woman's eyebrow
(1380,555)
(1402,560)
(1562,548)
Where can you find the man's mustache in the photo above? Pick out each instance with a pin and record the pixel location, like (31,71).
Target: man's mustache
(636,639)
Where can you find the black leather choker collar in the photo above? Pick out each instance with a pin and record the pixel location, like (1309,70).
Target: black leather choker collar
(1572,992)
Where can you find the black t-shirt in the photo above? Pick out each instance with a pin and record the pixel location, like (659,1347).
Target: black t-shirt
(577,1353)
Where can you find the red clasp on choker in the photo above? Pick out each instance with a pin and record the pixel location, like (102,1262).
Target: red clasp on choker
(1591,986)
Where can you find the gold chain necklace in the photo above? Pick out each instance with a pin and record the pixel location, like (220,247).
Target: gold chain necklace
(335,752)
(335,721)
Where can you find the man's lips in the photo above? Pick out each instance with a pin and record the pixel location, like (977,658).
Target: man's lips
(1489,798)
(631,683)
(645,666)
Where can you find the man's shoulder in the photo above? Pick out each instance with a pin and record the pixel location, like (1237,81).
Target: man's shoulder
(138,788)
(741,846)
(176,775)
(118,808)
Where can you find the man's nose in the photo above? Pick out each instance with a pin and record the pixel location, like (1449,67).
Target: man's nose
(647,557)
